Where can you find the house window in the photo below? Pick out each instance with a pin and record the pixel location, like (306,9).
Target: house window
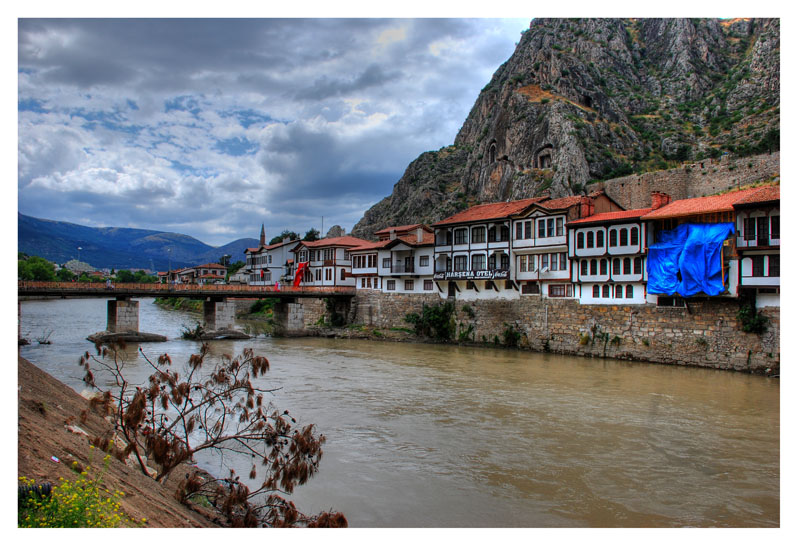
(479,262)
(409,285)
(460,236)
(596,291)
(526,263)
(318,274)
(599,238)
(623,236)
(612,237)
(479,235)
(590,239)
(559,226)
(584,267)
(518,230)
(750,229)
(492,261)
(530,288)
(580,240)
(593,267)
(504,261)
(758,266)
(774,265)
(762,229)
(628,291)
(559,290)
(363,282)
(373,260)
(618,292)
(424,260)
(492,234)
(509,284)
(328,275)
(637,265)
(775,227)
(606,291)
(615,267)
(528,228)
(470,285)
(389,285)
(626,265)
(488,284)
(269,259)
(551,228)
(544,262)
(460,263)
(375,283)
(504,233)
(634,236)
(387,262)
(603,267)
(342,275)
(542,229)
(427,285)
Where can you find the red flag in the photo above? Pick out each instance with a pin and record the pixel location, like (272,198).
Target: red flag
(298,275)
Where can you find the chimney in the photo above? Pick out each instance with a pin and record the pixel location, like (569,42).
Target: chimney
(659,199)
(587,207)
(419,235)
(392,234)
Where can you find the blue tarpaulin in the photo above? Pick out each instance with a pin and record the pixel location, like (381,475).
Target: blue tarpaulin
(686,260)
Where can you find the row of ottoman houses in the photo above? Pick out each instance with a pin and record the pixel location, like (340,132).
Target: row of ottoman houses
(586,248)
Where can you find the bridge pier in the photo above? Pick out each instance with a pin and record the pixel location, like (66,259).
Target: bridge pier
(122,324)
(219,314)
(123,315)
(288,318)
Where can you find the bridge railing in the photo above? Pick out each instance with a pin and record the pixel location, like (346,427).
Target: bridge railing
(123,288)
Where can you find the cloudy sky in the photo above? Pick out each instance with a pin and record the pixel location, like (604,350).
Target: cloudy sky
(211,127)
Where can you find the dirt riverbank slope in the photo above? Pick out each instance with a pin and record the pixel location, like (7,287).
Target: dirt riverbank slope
(46,406)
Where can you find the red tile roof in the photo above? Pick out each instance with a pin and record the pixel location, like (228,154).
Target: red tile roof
(404,228)
(763,194)
(612,216)
(487,212)
(341,241)
(209,265)
(561,203)
(699,206)
(371,246)
(268,247)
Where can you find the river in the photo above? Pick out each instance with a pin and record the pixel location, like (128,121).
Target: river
(424,435)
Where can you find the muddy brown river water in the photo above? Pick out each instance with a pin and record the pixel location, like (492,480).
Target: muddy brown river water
(425,435)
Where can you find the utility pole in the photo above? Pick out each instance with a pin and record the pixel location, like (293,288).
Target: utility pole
(322,229)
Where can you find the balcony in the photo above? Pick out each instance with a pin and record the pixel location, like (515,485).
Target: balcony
(401,268)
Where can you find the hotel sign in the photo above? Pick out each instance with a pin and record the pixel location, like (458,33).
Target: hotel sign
(472,275)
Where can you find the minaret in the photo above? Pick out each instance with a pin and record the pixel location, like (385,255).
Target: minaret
(263,241)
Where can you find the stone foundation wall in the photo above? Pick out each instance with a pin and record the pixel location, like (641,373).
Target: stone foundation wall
(219,315)
(692,180)
(706,334)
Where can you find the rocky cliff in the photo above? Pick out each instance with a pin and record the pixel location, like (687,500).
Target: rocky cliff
(584,100)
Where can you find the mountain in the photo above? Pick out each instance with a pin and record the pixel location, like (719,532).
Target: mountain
(119,248)
(584,100)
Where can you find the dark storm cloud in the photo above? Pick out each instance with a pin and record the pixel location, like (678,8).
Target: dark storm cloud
(215,126)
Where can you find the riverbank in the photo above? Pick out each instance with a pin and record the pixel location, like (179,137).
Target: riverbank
(52,437)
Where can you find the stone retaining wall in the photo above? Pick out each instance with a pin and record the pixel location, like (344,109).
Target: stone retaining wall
(706,334)
(701,178)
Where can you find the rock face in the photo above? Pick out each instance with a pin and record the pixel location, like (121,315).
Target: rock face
(336,232)
(592,99)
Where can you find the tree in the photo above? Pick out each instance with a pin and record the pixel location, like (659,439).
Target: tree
(177,415)
(235,267)
(65,275)
(36,269)
(283,235)
(312,235)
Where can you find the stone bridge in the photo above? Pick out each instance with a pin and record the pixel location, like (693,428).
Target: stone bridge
(218,311)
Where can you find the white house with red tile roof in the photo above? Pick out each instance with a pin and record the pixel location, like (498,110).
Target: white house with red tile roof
(758,241)
(608,252)
(505,249)
(328,261)
(268,264)
(210,273)
(705,210)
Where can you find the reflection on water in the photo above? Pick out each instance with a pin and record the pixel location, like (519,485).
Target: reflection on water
(436,435)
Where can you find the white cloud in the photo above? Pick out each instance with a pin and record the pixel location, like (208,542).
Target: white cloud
(211,127)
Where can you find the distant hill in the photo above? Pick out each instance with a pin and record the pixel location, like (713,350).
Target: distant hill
(119,248)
